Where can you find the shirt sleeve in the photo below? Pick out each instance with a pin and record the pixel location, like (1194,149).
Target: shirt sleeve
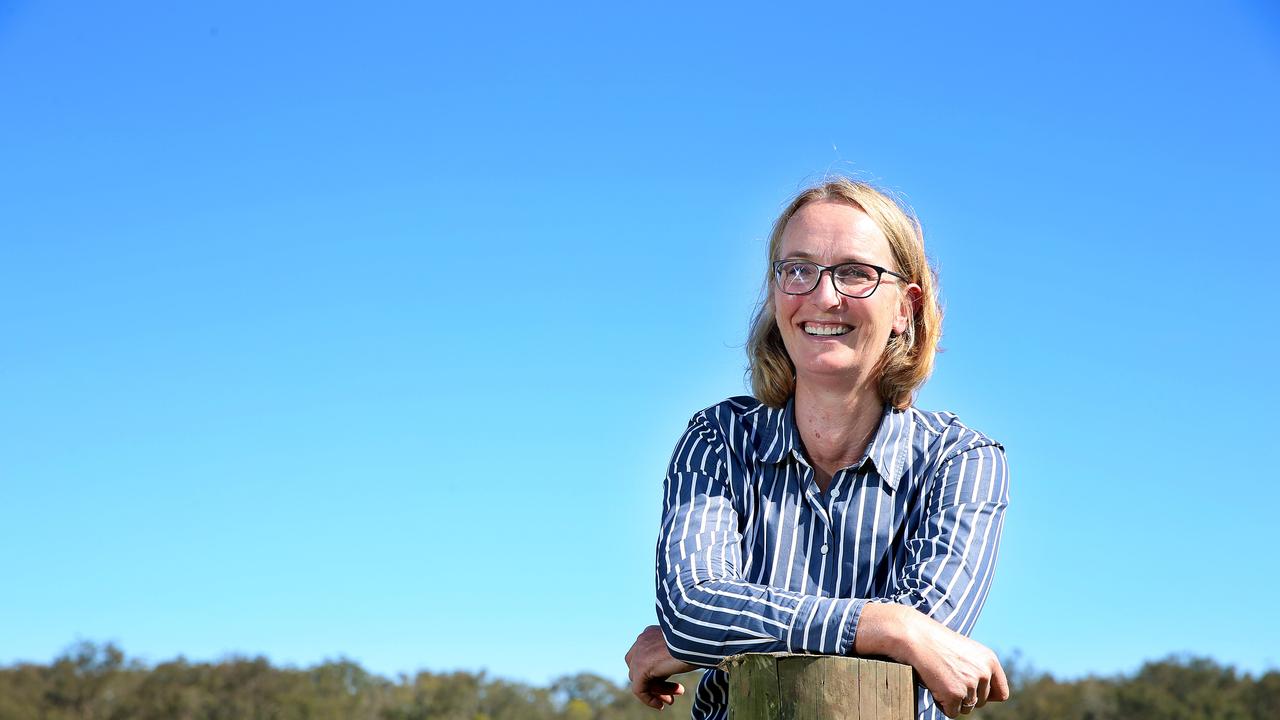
(951,554)
(707,611)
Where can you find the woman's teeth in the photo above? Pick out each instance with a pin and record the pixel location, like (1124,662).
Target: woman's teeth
(814,329)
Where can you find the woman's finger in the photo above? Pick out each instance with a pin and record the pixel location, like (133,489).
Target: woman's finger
(999,685)
(950,708)
(984,687)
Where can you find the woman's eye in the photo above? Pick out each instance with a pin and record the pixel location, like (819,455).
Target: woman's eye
(855,273)
(798,270)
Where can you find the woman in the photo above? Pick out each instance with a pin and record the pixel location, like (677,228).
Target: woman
(826,514)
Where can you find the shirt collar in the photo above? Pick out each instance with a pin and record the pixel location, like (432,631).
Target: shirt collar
(779,438)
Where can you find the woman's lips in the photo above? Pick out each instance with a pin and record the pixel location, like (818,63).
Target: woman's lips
(825,329)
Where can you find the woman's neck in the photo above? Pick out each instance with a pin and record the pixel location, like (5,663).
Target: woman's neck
(835,426)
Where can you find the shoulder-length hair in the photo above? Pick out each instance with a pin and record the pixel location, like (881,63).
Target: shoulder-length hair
(908,358)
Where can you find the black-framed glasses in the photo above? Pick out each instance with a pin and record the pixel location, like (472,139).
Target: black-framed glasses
(855,280)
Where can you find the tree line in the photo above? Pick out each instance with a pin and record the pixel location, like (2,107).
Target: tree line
(97,682)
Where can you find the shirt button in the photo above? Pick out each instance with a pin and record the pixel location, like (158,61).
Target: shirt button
(824,549)
(835,492)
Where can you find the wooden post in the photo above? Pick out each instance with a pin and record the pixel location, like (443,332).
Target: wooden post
(818,687)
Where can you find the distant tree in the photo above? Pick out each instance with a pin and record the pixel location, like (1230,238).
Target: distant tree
(22,692)
(170,690)
(502,700)
(79,681)
(1262,698)
(340,690)
(1183,689)
(440,697)
(587,689)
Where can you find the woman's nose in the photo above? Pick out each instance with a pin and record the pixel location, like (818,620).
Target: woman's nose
(825,295)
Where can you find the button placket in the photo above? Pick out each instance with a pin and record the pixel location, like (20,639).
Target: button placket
(833,494)
(814,498)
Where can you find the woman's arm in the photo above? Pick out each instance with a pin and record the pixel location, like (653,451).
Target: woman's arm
(707,611)
(951,562)
(951,549)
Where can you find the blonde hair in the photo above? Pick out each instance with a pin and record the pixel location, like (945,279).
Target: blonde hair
(907,360)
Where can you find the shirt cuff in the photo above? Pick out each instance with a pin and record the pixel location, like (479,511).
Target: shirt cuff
(825,626)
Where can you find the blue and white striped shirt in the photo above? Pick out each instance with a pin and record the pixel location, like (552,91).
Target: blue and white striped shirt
(753,557)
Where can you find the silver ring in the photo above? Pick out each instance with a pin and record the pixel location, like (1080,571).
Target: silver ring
(968,705)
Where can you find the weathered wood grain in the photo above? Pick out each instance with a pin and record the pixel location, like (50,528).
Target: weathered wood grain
(753,687)
(818,687)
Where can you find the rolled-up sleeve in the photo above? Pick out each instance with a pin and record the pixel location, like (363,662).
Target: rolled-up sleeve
(706,609)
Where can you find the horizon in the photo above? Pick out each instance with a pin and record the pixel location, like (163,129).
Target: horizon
(1012,662)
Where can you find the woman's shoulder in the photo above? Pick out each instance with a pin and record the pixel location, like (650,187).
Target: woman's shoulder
(735,413)
(943,433)
(740,425)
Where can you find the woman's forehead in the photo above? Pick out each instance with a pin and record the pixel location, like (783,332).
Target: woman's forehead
(833,231)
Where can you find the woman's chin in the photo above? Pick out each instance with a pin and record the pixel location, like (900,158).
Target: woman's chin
(828,371)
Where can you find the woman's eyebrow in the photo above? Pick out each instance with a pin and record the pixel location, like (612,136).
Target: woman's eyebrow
(806,255)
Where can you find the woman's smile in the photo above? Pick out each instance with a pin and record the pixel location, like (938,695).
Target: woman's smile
(825,329)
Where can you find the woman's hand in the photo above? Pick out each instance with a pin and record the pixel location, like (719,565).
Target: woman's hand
(962,674)
(649,664)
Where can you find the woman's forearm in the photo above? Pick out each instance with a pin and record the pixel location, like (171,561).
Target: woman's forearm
(960,672)
(884,629)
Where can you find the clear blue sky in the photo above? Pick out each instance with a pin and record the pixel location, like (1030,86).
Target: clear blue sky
(254,397)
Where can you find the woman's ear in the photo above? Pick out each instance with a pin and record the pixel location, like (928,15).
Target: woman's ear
(907,308)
